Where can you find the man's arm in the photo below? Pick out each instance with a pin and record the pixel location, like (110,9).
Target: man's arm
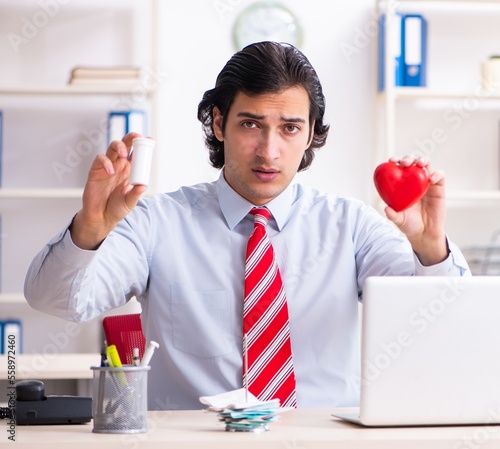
(79,285)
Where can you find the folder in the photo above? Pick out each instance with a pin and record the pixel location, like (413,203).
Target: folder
(397,47)
(123,122)
(415,50)
(1,146)
(1,252)
(11,336)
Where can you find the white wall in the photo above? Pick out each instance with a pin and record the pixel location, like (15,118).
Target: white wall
(340,40)
(196,38)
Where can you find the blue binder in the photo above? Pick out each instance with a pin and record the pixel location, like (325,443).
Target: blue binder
(398,51)
(1,146)
(123,122)
(415,50)
(11,336)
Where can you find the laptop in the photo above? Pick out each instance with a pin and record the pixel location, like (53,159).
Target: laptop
(430,351)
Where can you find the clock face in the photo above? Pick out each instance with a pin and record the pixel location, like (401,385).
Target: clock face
(266,21)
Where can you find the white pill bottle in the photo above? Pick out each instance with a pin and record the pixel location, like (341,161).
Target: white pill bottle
(142,159)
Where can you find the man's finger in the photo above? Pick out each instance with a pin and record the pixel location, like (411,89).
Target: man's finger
(116,149)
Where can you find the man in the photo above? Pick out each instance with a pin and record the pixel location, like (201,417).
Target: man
(183,254)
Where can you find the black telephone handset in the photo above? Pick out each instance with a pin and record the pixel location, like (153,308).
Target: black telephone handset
(30,390)
(33,407)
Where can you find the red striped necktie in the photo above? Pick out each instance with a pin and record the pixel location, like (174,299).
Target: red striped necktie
(266,329)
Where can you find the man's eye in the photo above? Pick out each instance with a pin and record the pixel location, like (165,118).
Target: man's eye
(292,129)
(248,124)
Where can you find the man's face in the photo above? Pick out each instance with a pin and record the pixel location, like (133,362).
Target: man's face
(264,141)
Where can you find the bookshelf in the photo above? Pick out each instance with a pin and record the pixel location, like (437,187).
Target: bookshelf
(453,120)
(45,119)
(438,90)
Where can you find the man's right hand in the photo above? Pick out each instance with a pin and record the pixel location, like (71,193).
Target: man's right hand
(108,197)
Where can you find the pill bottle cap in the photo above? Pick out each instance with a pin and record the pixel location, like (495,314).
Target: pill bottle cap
(143,141)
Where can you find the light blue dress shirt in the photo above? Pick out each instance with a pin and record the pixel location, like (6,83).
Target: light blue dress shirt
(182,255)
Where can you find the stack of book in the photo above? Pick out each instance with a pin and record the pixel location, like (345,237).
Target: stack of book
(107,76)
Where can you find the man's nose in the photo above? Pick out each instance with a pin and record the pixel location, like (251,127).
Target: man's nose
(268,148)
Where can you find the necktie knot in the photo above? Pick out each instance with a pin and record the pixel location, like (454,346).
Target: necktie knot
(261,214)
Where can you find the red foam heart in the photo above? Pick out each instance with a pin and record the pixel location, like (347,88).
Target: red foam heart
(400,187)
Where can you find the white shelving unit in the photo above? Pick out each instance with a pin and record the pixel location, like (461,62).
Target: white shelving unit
(34,206)
(438,93)
(63,91)
(454,105)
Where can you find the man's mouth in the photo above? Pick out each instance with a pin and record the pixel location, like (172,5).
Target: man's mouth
(265,174)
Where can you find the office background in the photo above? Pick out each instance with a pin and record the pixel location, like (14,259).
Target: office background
(42,40)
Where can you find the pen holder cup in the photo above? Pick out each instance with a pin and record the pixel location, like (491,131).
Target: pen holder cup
(120,400)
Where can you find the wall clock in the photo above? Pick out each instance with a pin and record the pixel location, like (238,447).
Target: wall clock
(266,21)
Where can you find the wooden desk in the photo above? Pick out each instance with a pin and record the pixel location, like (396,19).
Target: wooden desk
(297,429)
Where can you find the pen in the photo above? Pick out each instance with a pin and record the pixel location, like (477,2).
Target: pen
(102,378)
(148,353)
(104,357)
(135,357)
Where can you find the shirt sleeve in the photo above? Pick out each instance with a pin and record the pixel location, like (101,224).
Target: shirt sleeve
(55,275)
(79,285)
(382,250)
(454,265)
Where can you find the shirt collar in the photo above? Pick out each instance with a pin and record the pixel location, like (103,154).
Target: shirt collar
(235,208)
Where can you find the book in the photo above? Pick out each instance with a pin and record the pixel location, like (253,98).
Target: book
(397,47)
(105,75)
(101,72)
(121,123)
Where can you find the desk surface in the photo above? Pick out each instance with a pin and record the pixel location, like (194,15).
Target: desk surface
(297,429)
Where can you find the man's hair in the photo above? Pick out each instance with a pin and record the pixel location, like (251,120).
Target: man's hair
(260,68)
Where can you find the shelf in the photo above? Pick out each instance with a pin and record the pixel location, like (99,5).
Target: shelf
(33,193)
(97,89)
(51,366)
(419,93)
(12,298)
(455,5)
(474,195)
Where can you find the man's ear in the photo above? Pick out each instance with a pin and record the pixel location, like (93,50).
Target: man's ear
(217,124)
